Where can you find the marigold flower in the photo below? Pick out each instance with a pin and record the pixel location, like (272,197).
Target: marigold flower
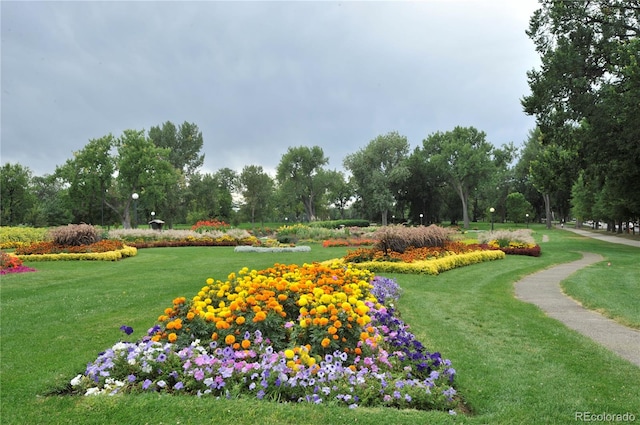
(246,344)
(325,342)
(240,320)
(229,339)
(172,337)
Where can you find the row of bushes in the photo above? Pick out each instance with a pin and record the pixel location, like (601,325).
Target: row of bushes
(336,224)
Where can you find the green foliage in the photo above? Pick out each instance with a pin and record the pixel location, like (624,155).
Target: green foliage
(463,157)
(257,190)
(13,237)
(75,234)
(301,175)
(15,199)
(335,224)
(518,207)
(379,172)
(584,96)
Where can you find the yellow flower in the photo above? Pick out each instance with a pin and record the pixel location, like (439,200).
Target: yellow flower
(289,354)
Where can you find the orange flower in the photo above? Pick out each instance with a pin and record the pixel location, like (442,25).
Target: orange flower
(172,337)
(240,320)
(246,344)
(325,342)
(230,339)
(260,316)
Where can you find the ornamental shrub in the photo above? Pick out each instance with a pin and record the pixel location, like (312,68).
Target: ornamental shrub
(398,238)
(75,235)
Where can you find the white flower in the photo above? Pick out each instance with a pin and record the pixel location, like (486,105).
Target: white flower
(76,381)
(119,346)
(92,391)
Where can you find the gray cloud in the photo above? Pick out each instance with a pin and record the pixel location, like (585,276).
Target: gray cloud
(259,77)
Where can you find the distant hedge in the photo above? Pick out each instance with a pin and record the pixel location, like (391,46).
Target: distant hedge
(335,224)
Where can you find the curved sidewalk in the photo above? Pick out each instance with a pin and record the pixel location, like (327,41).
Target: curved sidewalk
(543,289)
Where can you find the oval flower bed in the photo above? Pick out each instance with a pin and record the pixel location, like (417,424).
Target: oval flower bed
(315,333)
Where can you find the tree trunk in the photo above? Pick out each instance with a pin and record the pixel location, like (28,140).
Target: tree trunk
(547,208)
(464,197)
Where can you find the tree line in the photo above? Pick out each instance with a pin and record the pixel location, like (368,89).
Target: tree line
(456,176)
(582,160)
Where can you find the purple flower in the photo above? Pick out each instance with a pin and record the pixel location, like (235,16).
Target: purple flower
(146,384)
(126,329)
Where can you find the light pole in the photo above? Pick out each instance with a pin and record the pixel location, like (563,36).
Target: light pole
(421,215)
(492,210)
(527,216)
(135,197)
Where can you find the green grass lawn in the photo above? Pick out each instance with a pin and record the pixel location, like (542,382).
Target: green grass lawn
(514,365)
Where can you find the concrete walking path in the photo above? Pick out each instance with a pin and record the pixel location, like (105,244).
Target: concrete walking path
(603,237)
(543,289)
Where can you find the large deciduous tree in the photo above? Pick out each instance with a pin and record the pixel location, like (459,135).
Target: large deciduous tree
(585,94)
(257,190)
(15,197)
(463,158)
(89,174)
(184,144)
(379,172)
(301,174)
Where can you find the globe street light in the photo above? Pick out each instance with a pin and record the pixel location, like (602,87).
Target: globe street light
(135,197)
(421,215)
(492,210)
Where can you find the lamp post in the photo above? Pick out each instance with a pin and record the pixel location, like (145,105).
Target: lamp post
(527,216)
(135,197)
(421,215)
(492,210)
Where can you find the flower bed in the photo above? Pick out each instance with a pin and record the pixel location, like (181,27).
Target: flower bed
(516,242)
(347,242)
(147,238)
(14,237)
(106,250)
(301,248)
(10,263)
(431,267)
(314,333)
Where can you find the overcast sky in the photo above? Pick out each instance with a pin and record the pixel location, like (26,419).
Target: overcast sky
(259,77)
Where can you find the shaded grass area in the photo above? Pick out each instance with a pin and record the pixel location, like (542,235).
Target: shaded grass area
(514,364)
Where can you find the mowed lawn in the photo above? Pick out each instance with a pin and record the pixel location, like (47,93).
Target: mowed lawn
(514,365)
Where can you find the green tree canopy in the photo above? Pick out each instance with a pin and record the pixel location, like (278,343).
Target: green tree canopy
(301,174)
(15,198)
(379,172)
(585,94)
(463,158)
(257,191)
